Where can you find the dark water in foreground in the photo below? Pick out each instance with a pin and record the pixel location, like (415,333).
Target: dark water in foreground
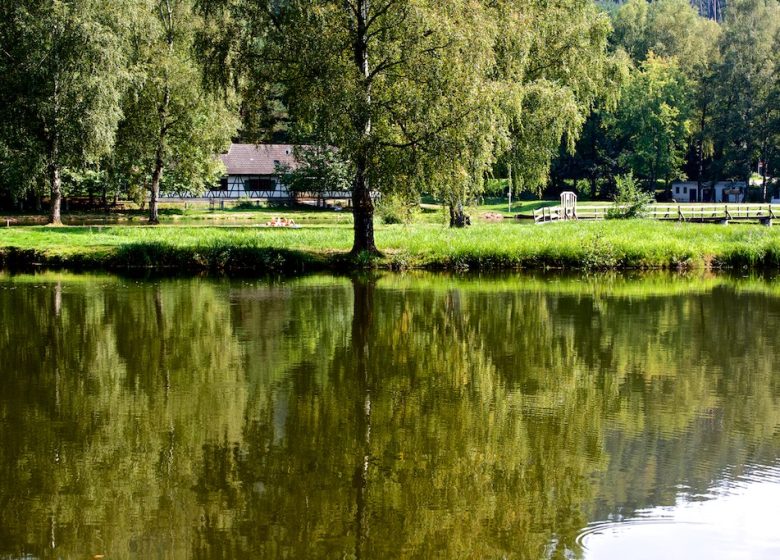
(418,416)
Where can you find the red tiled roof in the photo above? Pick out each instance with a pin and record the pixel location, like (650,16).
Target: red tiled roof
(257,159)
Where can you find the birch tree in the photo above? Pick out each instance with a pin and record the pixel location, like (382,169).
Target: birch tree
(172,124)
(422,94)
(63,73)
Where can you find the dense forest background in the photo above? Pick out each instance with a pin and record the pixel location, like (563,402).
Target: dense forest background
(700,102)
(102,99)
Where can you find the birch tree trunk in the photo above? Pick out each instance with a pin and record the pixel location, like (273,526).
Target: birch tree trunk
(362,205)
(166,14)
(55,179)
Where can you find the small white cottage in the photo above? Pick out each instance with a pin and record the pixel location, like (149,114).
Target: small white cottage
(722,191)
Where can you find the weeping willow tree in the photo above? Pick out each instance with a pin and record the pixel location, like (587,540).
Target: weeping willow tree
(421,94)
(564,70)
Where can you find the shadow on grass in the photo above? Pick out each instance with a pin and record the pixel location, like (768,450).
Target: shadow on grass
(74,230)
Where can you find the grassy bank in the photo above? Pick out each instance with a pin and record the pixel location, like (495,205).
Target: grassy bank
(485,246)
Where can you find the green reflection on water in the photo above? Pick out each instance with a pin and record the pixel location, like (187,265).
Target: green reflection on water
(398,416)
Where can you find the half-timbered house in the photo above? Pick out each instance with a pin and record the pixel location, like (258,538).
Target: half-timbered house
(252,171)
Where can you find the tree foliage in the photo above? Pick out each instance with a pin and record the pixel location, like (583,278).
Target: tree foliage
(319,169)
(715,117)
(652,122)
(414,95)
(173,127)
(64,69)
(425,95)
(668,29)
(746,77)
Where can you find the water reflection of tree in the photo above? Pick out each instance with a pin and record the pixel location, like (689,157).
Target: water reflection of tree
(338,418)
(408,444)
(669,387)
(105,426)
(499,422)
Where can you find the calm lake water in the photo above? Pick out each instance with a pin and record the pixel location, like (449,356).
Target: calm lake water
(413,416)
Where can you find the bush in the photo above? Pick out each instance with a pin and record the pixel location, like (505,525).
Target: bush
(631,200)
(171,211)
(246,205)
(395,209)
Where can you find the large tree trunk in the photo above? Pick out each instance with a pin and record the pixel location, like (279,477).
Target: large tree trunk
(458,217)
(362,205)
(162,114)
(162,110)
(363,212)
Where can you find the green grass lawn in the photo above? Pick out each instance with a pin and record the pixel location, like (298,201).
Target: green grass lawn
(502,245)
(200,213)
(195,215)
(431,212)
(501,205)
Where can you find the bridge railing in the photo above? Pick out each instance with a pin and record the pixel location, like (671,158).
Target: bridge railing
(548,214)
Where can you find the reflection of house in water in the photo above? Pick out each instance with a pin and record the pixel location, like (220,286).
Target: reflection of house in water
(722,191)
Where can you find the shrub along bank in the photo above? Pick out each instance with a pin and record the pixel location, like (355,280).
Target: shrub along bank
(636,244)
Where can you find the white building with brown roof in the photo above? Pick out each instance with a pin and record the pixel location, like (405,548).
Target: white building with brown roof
(252,171)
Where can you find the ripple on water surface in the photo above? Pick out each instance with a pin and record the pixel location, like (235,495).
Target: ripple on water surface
(737,519)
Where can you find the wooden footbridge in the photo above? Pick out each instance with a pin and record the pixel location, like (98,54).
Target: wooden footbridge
(722,213)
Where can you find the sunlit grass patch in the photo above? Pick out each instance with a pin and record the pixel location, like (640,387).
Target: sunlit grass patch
(484,246)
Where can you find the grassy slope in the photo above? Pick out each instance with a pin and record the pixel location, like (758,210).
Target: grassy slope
(574,245)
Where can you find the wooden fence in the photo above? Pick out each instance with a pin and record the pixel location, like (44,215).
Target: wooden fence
(725,213)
